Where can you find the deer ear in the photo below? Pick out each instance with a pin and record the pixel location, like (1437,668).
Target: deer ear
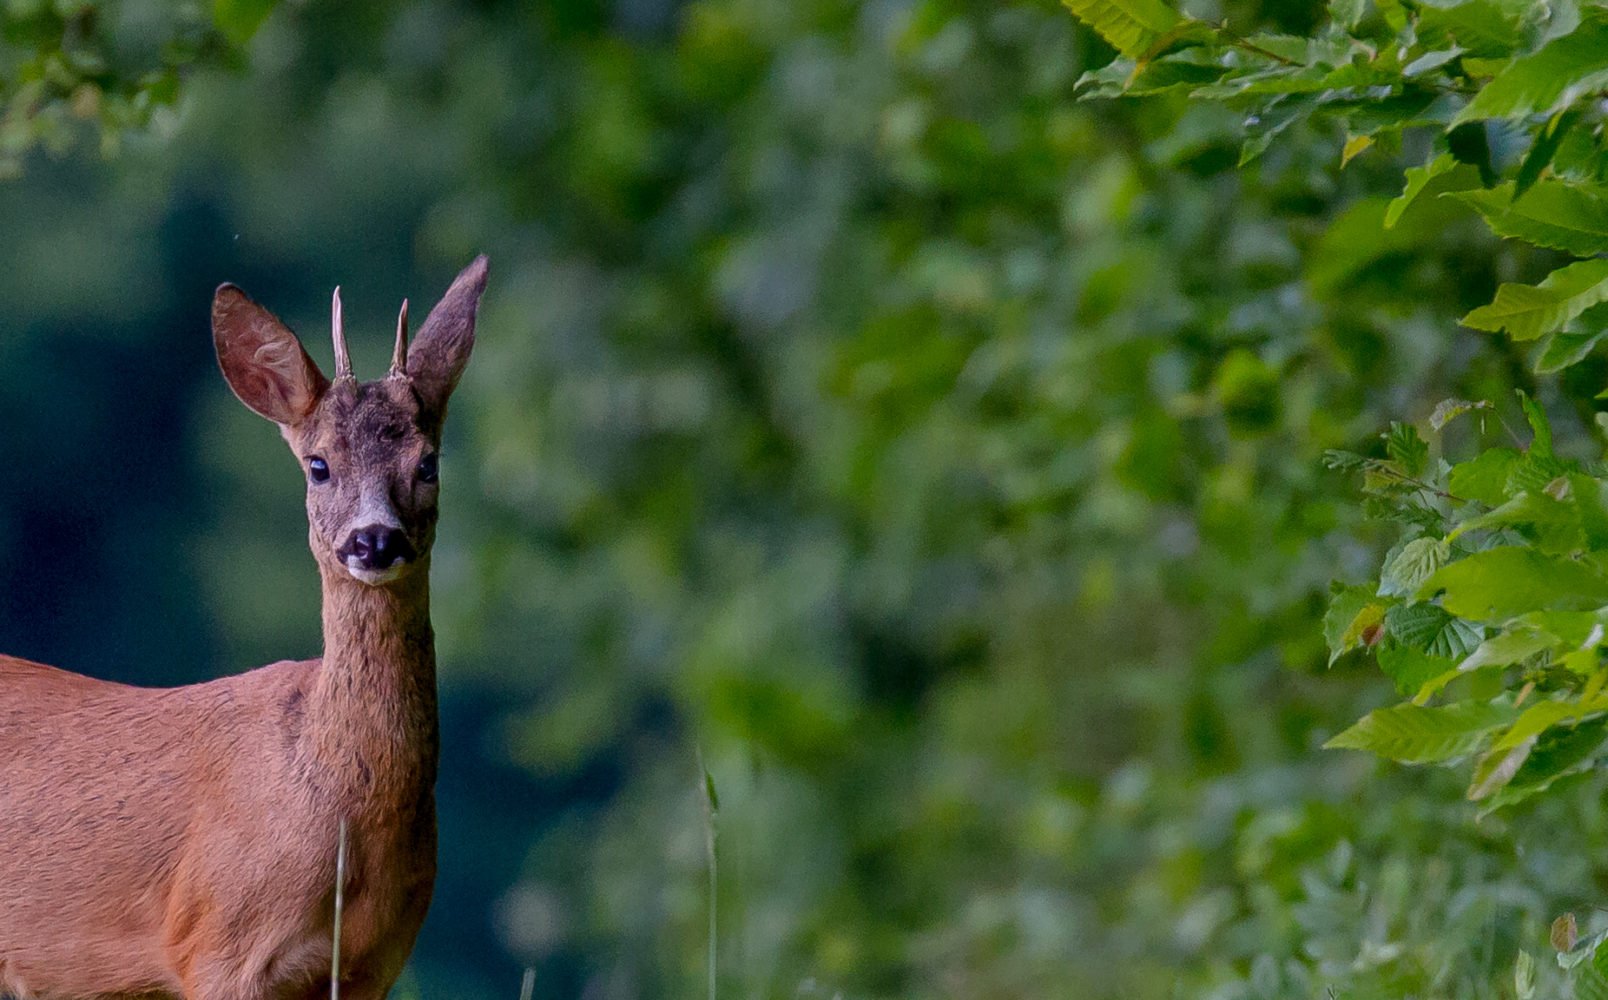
(262,360)
(437,356)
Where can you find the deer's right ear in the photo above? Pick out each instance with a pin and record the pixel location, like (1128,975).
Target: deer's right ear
(262,361)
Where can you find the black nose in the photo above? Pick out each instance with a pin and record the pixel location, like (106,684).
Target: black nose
(377,547)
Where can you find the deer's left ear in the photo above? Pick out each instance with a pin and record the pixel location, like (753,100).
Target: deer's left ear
(262,361)
(438,355)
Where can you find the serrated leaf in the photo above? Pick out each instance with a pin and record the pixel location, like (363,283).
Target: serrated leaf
(1343,461)
(1477,26)
(1528,311)
(1554,214)
(1407,448)
(1410,567)
(1504,582)
(1132,27)
(1417,179)
(1415,734)
(1428,627)
(1548,80)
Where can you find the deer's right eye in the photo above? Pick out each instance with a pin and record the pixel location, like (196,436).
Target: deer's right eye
(317,469)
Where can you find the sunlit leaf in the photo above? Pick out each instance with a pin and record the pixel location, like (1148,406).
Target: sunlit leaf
(1415,734)
(1546,82)
(1132,27)
(1503,582)
(1413,565)
(1528,311)
(1555,214)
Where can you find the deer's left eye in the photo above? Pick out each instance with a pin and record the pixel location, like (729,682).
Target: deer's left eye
(317,469)
(428,470)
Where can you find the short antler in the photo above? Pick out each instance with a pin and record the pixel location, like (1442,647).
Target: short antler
(343,361)
(399,358)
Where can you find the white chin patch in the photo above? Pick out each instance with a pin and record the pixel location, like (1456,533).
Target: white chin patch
(372,577)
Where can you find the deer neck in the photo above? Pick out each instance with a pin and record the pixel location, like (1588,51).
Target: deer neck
(372,708)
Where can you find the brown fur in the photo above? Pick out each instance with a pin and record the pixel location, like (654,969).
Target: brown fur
(164,843)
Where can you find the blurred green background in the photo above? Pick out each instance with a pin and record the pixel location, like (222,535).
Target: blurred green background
(932,455)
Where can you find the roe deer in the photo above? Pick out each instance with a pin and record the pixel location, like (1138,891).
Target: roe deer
(161,843)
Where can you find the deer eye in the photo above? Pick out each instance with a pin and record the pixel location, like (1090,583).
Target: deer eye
(317,469)
(428,470)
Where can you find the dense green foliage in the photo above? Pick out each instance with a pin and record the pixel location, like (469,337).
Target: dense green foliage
(67,65)
(1487,614)
(930,446)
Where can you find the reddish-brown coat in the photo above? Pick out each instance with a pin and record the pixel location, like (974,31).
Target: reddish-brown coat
(181,842)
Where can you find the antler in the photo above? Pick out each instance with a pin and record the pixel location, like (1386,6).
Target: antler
(399,359)
(343,361)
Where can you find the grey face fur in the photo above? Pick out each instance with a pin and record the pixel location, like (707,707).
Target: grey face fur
(368,448)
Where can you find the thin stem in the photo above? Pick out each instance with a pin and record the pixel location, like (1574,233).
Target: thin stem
(711,813)
(527,986)
(340,906)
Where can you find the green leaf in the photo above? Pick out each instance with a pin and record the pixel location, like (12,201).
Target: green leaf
(1542,716)
(1417,179)
(1262,128)
(1552,524)
(1591,977)
(1512,580)
(1549,80)
(1410,668)
(1484,477)
(1563,349)
(1555,214)
(1429,628)
(1560,751)
(1344,607)
(1524,976)
(1528,311)
(240,19)
(1479,27)
(1544,149)
(1540,427)
(1448,410)
(1413,565)
(1415,734)
(1506,648)
(1347,13)
(1406,448)
(1132,27)
(1497,768)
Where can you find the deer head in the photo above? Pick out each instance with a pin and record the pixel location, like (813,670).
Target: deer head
(369,449)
